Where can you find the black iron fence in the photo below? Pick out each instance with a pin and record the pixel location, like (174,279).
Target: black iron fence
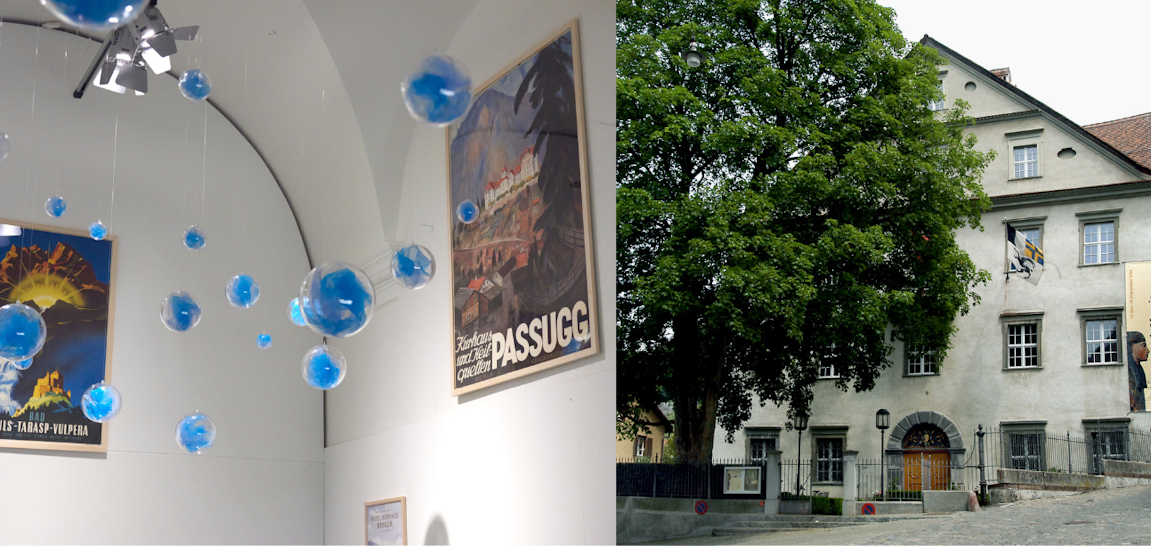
(722,478)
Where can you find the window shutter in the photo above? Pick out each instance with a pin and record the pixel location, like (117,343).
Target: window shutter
(647,447)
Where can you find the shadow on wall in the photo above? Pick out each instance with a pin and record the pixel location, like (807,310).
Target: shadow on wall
(437,532)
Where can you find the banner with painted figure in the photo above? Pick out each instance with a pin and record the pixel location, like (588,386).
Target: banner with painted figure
(68,279)
(1137,319)
(522,269)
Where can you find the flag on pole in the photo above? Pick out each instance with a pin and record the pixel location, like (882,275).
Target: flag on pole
(1026,258)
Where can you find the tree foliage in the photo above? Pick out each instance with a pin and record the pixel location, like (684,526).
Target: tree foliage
(790,202)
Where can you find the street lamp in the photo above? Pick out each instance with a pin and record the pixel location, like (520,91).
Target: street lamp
(800,423)
(692,56)
(882,421)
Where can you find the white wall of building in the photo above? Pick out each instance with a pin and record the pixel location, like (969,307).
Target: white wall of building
(263,480)
(529,460)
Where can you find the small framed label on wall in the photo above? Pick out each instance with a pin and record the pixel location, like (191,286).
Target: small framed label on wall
(386,521)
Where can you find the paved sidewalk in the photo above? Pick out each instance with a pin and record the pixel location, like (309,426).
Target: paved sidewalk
(1116,516)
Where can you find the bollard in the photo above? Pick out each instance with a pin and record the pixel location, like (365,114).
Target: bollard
(982,477)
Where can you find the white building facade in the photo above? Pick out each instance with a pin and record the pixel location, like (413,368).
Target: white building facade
(1050,357)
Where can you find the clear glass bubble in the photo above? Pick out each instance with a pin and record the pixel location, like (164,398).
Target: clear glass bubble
(194,237)
(95,15)
(467,211)
(337,299)
(195,85)
(295,314)
(264,341)
(55,206)
(5,146)
(242,291)
(22,364)
(324,367)
(180,312)
(195,433)
(413,266)
(101,402)
(439,91)
(97,230)
(22,332)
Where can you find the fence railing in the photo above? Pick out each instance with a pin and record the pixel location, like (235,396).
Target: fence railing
(651,477)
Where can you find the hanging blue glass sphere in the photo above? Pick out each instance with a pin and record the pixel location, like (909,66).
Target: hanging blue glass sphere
(5,146)
(295,314)
(180,312)
(97,231)
(195,433)
(22,364)
(439,91)
(55,206)
(194,238)
(264,341)
(242,291)
(101,402)
(337,299)
(22,332)
(195,85)
(95,15)
(324,367)
(467,211)
(413,266)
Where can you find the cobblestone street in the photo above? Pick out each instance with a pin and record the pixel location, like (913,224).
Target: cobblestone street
(1116,516)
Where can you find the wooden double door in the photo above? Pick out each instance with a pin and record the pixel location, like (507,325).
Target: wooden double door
(936,463)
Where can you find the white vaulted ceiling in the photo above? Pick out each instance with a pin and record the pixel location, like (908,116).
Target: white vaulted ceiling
(314,85)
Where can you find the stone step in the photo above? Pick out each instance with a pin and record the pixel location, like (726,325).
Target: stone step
(827,518)
(785,525)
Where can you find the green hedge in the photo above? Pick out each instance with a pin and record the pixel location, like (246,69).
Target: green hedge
(829,506)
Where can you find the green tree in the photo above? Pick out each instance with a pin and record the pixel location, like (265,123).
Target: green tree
(787,203)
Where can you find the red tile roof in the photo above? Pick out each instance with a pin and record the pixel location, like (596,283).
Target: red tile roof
(1131,136)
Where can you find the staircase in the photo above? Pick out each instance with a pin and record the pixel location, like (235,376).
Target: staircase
(765,524)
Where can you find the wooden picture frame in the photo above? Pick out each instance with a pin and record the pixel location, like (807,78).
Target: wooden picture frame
(523,271)
(71,279)
(380,525)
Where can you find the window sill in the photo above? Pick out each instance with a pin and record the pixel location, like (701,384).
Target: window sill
(1025,178)
(827,483)
(828,377)
(920,374)
(1024,368)
(1101,364)
(1099,264)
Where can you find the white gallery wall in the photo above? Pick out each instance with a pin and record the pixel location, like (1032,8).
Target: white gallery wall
(526,461)
(263,481)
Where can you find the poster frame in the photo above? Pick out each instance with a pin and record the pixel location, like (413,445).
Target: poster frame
(403,502)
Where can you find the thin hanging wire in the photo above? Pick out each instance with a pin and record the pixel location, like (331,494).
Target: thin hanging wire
(32,125)
(60,124)
(115,153)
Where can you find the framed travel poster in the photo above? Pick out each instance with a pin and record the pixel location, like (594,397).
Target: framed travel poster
(386,522)
(522,265)
(70,279)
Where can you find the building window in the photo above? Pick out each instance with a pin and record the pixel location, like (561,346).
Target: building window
(1108,440)
(829,460)
(827,370)
(760,447)
(1026,161)
(1033,234)
(1023,345)
(643,446)
(937,105)
(1099,243)
(1025,449)
(1102,339)
(920,362)
(760,441)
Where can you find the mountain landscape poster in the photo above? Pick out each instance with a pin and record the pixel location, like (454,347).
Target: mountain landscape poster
(522,268)
(68,278)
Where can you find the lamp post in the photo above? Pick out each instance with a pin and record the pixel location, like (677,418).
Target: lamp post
(800,423)
(882,421)
(692,56)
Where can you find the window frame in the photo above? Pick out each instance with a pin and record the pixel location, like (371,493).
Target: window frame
(908,352)
(941,104)
(1089,314)
(1023,139)
(754,434)
(1022,224)
(1092,428)
(1008,319)
(1087,218)
(1034,429)
(826,432)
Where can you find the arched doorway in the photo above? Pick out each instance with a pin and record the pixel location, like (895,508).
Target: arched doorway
(926,449)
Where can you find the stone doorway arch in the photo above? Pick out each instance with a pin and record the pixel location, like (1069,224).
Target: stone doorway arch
(954,436)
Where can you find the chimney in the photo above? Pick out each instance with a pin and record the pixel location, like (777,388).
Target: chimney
(1002,73)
